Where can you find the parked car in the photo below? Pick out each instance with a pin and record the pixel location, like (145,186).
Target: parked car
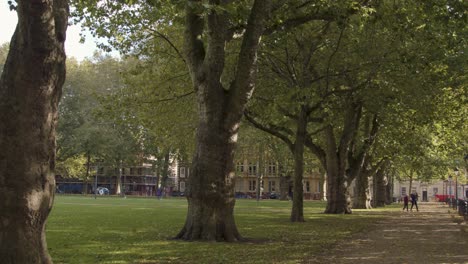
(274,196)
(102,191)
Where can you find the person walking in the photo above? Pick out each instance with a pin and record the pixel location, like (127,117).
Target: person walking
(405,202)
(414,201)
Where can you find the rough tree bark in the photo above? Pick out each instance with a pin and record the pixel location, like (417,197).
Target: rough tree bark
(381,182)
(338,199)
(362,195)
(297,212)
(210,190)
(30,88)
(359,163)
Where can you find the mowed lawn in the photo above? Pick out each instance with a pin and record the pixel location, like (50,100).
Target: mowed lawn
(140,230)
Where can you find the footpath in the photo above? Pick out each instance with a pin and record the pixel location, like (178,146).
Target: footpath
(435,234)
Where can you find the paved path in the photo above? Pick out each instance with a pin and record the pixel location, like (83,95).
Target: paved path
(428,236)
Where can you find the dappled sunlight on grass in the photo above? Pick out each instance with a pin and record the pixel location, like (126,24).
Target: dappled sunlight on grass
(117,230)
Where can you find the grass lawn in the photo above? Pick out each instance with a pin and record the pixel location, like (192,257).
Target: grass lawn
(139,230)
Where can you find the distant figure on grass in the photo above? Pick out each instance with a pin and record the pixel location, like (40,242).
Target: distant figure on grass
(414,201)
(405,202)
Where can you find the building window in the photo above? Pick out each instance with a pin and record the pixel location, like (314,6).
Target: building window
(182,172)
(252,169)
(140,171)
(272,168)
(252,185)
(271,186)
(132,171)
(403,191)
(100,170)
(307,186)
(435,190)
(240,167)
(182,186)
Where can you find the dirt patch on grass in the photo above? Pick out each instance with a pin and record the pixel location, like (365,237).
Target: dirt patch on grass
(432,235)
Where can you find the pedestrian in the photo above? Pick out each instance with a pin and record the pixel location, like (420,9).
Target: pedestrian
(405,202)
(414,201)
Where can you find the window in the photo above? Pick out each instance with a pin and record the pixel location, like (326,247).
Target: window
(182,186)
(252,169)
(272,168)
(132,171)
(240,167)
(140,171)
(100,170)
(307,186)
(403,191)
(271,186)
(252,185)
(182,172)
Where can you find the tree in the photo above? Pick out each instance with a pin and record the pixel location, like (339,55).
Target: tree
(30,89)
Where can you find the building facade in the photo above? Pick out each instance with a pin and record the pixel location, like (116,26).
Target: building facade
(437,190)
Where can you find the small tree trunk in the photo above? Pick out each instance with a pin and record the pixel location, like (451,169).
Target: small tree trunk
(118,187)
(30,89)
(88,170)
(297,212)
(284,186)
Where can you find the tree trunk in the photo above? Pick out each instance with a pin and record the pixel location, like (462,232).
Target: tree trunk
(260,173)
(362,195)
(284,186)
(88,169)
(118,187)
(210,190)
(297,212)
(30,88)
(381,187)
(338,200)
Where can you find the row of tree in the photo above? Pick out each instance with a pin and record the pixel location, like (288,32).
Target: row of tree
(364,86)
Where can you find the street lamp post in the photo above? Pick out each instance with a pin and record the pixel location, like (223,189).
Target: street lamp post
(95,183)
(450,190)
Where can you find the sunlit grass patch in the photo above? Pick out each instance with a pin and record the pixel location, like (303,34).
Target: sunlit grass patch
(134,230)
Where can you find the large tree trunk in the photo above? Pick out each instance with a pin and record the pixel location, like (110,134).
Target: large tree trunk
(337,198)
(30,88)
(297,212)
(362,196)
(210,190)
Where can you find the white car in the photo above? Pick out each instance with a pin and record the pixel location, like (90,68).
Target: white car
(102,191)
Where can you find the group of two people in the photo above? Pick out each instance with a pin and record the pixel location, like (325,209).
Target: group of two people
(414,201)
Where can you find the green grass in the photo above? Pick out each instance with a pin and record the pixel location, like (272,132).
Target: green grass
(137,230)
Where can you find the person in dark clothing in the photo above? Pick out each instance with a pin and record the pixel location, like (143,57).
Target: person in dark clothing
(405,203)
(414,201)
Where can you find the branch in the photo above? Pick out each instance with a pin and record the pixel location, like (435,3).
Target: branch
(316,149)
(331,57)
(243,85)
(193,45)
(161,35)
(271,129)
(297,21)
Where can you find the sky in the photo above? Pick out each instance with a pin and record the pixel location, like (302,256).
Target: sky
(73,48)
